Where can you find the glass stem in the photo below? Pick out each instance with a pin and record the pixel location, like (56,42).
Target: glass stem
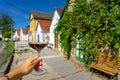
(38,53)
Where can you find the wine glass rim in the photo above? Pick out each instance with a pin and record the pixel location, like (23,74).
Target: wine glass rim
(38,42)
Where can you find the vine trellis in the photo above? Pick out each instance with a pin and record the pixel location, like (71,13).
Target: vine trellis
(97,21)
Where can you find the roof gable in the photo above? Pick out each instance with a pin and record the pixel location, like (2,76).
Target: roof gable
(18,32)
(25,30)
(59,10)
(45,24)
(31,16)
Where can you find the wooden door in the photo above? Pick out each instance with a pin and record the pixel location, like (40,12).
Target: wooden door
(56,41)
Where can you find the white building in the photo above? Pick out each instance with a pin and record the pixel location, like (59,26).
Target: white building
(24,34)
(42,30)
(53,41)
(16,35)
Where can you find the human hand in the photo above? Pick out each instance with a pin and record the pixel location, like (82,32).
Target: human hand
(28,65)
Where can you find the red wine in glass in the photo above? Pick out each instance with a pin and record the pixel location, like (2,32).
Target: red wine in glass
(38,46)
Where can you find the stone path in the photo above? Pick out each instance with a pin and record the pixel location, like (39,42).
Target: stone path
(57,67)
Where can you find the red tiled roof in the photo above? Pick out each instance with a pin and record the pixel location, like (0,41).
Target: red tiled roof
(18,32)
(25,30)
(45,24)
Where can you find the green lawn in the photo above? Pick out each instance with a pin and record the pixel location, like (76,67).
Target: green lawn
(8,51)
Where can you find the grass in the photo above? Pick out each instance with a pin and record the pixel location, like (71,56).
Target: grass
(8,51)
(3,61)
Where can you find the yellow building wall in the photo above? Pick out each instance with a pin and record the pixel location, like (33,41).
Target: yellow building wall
(33,26)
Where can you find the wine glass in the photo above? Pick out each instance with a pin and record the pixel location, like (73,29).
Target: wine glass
(38,45)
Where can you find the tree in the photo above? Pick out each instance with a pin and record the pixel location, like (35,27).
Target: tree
(7,24)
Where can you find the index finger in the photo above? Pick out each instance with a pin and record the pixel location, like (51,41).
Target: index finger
(34,59)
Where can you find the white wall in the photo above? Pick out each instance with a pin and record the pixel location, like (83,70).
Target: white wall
(15,36)
(55,19)
(39,32)
(25,37)
(21,35)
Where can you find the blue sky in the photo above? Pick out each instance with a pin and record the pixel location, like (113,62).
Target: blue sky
(19,10)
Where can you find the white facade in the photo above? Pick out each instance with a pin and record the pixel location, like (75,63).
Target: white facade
(39,35)
(16,36)
(23,37)
(55,20)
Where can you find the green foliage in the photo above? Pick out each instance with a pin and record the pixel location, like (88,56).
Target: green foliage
(3,62)
(65,32)
(97,21)
(6,23)
(9,49)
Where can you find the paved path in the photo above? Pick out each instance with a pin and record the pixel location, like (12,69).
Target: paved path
(57,67)
(65,68)
(2,46)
